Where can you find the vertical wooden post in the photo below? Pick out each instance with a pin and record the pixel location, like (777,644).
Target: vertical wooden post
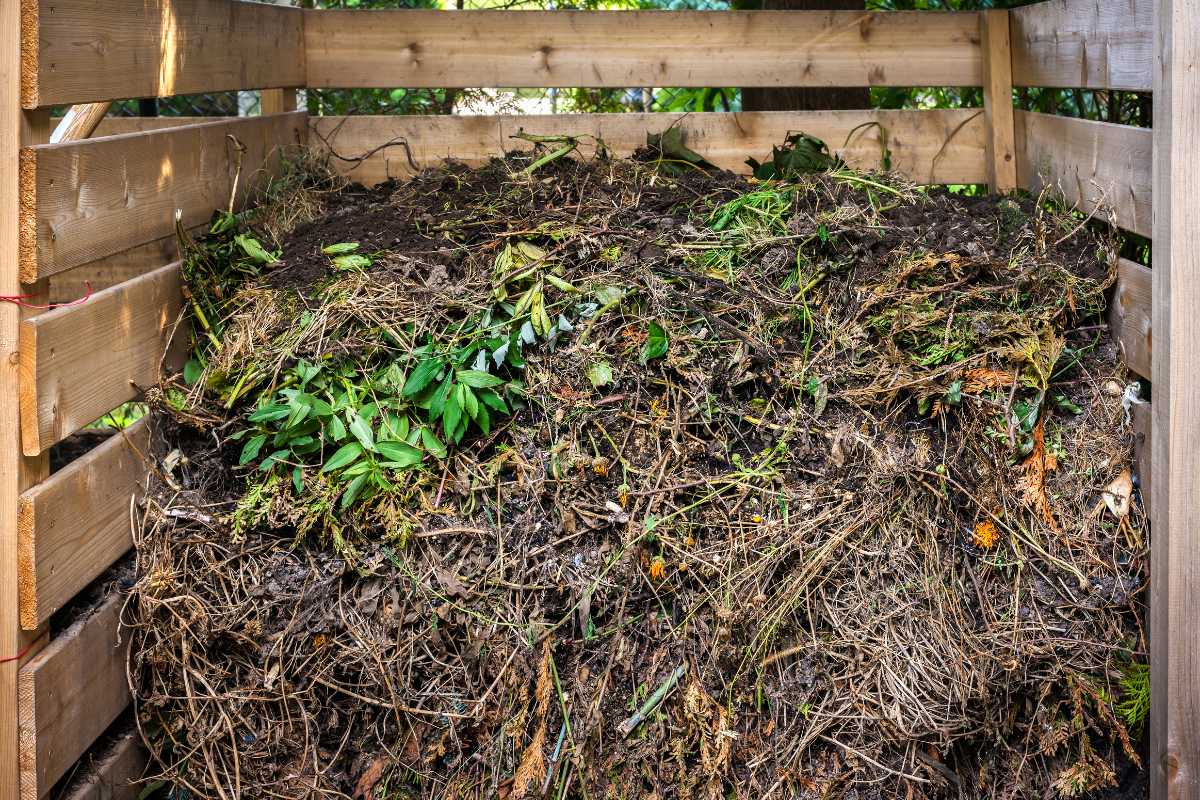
(79,122)
(997,99)
(1175,558)
(277,101)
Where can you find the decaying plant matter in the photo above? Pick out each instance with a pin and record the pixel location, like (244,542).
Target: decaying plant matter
(601,480)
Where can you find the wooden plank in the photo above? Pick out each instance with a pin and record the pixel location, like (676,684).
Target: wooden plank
(111,776)
(945,146)
(79,122)
(11,639)
(75,524)
(277,101)
(111,126)
(1142,415)
(434,48)
(80,362)
(70,693)
(78,51)
(1174,760)
(997,100)
(1129,316)
(1092,163)
(1084,44)
(86,200)
(95,276)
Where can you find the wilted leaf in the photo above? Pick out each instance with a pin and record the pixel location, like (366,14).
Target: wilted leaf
(600,374)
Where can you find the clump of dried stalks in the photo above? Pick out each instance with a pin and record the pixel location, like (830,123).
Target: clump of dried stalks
(864,525)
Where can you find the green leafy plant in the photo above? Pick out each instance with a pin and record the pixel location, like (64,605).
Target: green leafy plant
(800,154)
(1134,705)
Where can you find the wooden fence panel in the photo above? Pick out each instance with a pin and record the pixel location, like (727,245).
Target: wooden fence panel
(76,51)
(1092,163)
(69,694)
(1084,44)
(432,48)
(85,200)
(75,524)
(80,362)
(945,146)
(1129,316)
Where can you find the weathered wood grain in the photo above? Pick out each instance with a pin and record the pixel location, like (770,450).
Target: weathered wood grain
(75,524)
(433,48)
(1093,164)
(80,362)
(109,778)
(1084,44)
(1129,316)
(78,51)
(70,692)
(997,100)
(86,200)
(946,146)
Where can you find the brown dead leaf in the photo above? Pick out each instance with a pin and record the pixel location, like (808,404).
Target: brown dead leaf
(370,776)
(984,379)
(1033,483)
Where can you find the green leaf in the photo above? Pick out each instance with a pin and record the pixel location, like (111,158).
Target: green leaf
(954,393)
(362,431)
(192,372)
(271,412)
(298,480)
(339,248)
(352,491)
(470,402)
(345,455)
(559,283)
(337,429)
(269,461)
(250,450)
(478,380)
(421,377)
(600,374)
(252,248)
(451,414)
(493,400)
(656,343)
(352,261)
(432,443)
(399,454)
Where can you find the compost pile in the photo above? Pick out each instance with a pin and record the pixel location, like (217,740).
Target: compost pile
(634,479)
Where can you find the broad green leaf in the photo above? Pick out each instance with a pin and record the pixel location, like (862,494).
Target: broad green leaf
(470,402)
(362,431)
(399,454)
(345,455)
(656,343)
(560,284)
(437,404)
(298,480)
(337,428)
(609,295)
(432,443)
(269,461)
(270,413)
(451,414)
(478,380)
(493,400)
(421,377)
(340,248)
(352,261)
(352,491)
(252,248)
(192,372)
(600,374)
(250,450)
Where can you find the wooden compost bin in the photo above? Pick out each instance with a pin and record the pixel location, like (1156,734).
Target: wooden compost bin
(98,205)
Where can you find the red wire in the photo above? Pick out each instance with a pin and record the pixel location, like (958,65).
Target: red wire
(21,654)
(20,299)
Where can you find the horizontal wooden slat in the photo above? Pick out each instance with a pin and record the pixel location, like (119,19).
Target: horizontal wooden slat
(109,778)
(75,524)
(432,48)
(76,51)
(1129,316)
(1091,162)
(945,146)
(85,200)
(69,694)
(113,126)
(1084,44)
(75,283)
(80,362)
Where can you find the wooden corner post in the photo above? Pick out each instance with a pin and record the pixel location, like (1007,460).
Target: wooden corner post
(1175,557)
(997,99)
